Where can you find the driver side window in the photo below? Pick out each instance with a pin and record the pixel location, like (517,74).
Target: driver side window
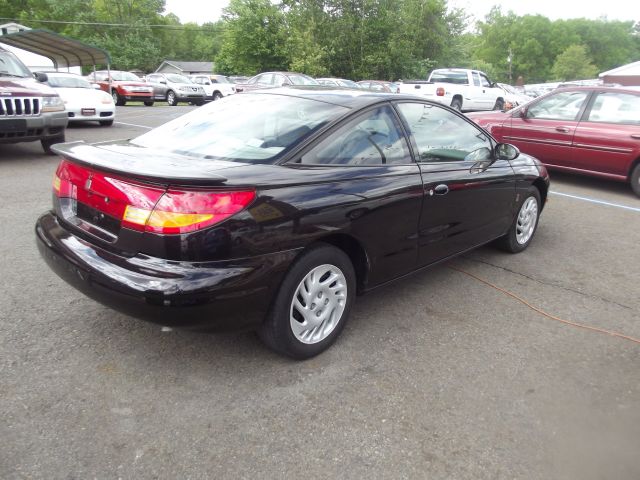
(441,135)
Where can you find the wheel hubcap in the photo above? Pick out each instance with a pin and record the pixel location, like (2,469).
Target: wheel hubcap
(527,218)
(318,304)
(114,95)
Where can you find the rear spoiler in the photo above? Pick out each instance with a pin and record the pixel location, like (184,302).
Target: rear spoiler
(133,161)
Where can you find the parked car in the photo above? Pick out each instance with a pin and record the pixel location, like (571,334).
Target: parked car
(215,86)
(274,79)
(462,89)
(337,82)
(175,88)
(273,209)
(30,110)
(81,100)
(124,87)
(378,86)
(588,130)
(512,97)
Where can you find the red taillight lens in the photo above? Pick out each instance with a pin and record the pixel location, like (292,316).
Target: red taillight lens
(144,207)
(440,92)
(182,211)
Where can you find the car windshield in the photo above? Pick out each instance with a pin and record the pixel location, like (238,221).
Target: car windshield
(172,77)
(67,82)
(125,76)
(11,66)
(254,128)
(347,83)
(301,80)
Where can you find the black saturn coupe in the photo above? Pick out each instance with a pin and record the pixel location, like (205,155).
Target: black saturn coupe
(272,210)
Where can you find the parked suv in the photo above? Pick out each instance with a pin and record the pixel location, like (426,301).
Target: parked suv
(175,88)
(215,86)
(29,109)
(124,86)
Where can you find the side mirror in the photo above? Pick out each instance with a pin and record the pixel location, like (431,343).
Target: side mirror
(41,77)
(506,151)
(163,81)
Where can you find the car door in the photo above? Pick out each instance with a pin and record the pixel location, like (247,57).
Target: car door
(376,185)
(489,93)
(546,127)
(468,197)
(607,139)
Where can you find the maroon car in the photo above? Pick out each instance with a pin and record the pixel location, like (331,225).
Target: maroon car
(588,130)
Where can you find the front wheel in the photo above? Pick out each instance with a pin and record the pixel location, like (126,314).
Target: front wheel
(217,96)
(171,98)
(48,142)
(499,104)
(635,180)
(312,304)
(524,225)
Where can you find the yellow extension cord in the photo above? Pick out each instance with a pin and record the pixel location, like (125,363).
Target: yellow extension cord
(542,312)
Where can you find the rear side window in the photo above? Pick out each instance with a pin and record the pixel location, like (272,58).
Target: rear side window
(561,106)
(440,135)
(373,138)
(616,107)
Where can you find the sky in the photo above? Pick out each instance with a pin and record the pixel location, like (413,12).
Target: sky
(200,11)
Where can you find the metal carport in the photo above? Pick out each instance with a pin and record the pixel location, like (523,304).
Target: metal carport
(63,51)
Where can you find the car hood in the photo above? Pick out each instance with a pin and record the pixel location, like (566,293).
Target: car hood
(75,95)
(24,87)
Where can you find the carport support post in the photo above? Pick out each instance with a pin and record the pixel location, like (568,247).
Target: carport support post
(109,75)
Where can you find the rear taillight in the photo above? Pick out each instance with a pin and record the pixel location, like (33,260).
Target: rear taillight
(182,211)
(148,208)
(440,92)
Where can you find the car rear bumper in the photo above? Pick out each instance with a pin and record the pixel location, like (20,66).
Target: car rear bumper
(221,296)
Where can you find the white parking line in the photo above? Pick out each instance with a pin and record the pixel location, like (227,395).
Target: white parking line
(134,125)
(599,202)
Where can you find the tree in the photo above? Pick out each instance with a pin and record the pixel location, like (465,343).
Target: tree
(574,64)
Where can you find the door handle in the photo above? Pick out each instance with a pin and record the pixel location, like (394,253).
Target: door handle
(636,136)
(441,189)
(562,129)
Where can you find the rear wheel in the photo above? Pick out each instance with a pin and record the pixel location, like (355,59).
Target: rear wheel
(117,99)
(48,142)
(171,98)
(106,123)
(456,104)
(524,225)
(635,180)
(199,103)
(312,305)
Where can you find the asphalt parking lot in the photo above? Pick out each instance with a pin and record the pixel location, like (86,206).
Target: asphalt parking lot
(439,376)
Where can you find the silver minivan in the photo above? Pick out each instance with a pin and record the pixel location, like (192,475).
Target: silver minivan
(175,88)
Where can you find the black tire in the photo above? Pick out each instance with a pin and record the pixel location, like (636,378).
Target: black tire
(172,100)
(198,103)
(217,96)
(456,104)
(106,123)
(509,242)
(499,104)
(117,99)
(277,332)
(48,142)
(148,104)
(635,180)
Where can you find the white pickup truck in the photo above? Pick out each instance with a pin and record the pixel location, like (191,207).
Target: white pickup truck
(460,88)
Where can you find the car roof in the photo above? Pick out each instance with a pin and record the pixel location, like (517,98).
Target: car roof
(344,97)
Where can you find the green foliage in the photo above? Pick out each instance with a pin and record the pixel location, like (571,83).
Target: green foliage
(574,64)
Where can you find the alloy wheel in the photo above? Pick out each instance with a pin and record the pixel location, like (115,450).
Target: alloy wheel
(318,304)
(527,218)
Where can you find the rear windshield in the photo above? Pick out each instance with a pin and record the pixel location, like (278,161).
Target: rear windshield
(459,78)
(254,128)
